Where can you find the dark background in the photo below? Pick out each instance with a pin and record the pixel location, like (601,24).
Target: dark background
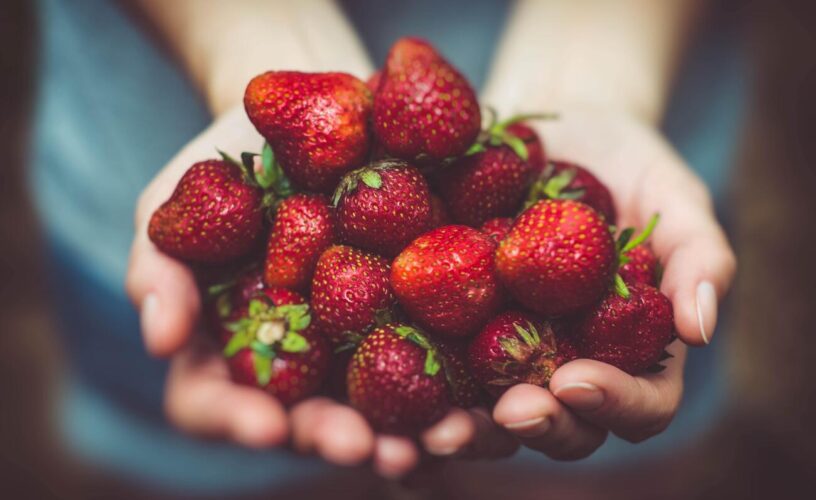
(764,448)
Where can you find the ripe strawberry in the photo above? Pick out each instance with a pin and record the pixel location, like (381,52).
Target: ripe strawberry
(215,214)
(629,333)
(424,107)
(439,213)
(641,266)
(558,258)
(536,154)
(485,185)
(316,123)
(446,280)
(464,390)
(350,290)
(382,207)
(396,380)
(513,348)
(564,180)
(275,348)
(497,228)
(304,226)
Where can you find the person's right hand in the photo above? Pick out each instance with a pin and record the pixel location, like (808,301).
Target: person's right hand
(201,399)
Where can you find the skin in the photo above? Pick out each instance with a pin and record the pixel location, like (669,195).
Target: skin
(619,111)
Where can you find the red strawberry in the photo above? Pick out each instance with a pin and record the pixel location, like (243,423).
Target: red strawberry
(641,266)
(536,155)
(439,213)
(563,180)
(350,290)
(316,123)
(382,207)
(497,228)
(304,226)
(215,215)
(446,280)
(629,333)
(465,391)
(485,185)
(396,380)
(275,348)
(558,258)
(424,107)
(513,348)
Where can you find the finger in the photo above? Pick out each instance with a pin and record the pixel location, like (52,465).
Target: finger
(202,400)
(449,435)
(634,408)
(337,433)
(699,264)
(394,456)
(491,441)
(542,423)
(164,291)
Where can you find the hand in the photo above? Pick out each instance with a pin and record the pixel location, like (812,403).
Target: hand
(586,399)
(201,399)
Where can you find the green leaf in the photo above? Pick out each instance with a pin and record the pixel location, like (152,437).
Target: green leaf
(299,322)
(432,365)
(294,342)
(263,368)
(229,159)
(476,148)
(239,340)
(644,235)
(524,334)
(556,184)
(248,159)
(257,307)
(525,117)
(624,238)
(517,145)
(371,179)
(219,288)
(261,348)
(512,347)
(223,305)
(269,173)
(620,287)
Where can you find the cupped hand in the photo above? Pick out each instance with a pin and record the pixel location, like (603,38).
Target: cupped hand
(201,399)
(587,399)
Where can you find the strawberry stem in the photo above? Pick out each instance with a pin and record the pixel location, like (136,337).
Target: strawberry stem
(643,236)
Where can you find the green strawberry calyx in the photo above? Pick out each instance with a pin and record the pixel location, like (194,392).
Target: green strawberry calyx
(370,176)
(351,339)
(532,356)
(627,241)
(267,330)
(263,171)
(432,358)
(554,186)
(496,133)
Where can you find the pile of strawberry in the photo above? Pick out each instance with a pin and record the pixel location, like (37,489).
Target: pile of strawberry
(387,250)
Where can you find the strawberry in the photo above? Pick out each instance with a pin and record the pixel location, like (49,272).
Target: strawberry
(350,292)
(424,108)
(631,332)
(564,180)
(558,258)
(215,214)
(382,207)
(497,228)
(439,213)
(464,390)
(513,348)
(304,226)
(641,266)
(273,347)
(396,380)
(446,281)
(481,186)
(536,154)
(316,123)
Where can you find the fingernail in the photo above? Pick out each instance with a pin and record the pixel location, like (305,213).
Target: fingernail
(529,428)
(581,396)
(441,451)
(150,312)
(706,303)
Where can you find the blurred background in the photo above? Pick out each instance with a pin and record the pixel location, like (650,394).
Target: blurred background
(762,447)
